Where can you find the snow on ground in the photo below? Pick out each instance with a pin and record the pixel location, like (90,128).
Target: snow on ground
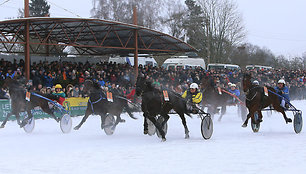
(232,149)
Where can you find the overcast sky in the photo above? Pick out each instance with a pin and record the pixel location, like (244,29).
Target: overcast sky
(278,25)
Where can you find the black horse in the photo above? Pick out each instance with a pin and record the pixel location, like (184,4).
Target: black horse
(256,100)
(153,104)
(99,105)
(212,99)
(20,104)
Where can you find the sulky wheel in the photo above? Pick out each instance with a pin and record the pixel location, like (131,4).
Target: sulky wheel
(207,127)
(151,127)
(66,123)
(29,127)
(298,122)
(109,124)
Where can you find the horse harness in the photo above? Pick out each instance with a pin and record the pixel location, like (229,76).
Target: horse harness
(94,102)
(262,93)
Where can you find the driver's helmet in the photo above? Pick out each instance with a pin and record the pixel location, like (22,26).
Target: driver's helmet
(255,82)
(194,86)
(58,86)
(282,81)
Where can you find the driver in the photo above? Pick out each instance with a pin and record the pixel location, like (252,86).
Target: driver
(193,96)
(283,91)
(58,92)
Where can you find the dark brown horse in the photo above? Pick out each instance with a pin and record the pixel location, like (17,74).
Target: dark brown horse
(256,100)
(20,104)
(212,99)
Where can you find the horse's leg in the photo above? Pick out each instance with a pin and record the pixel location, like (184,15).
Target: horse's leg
(185,125)
(259,116)
(18,119)
(278,108)
(145,123)
(6,119)
(245,124)
(118,120)
(87,113)
(46,109)
(25,121)
(103,117)
(158,127)
(223,110)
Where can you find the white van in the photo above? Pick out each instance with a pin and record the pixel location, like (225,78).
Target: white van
(183,62)
(258,67)
(219,66)
(143,59)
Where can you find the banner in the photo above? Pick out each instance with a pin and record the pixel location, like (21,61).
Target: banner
(75,105)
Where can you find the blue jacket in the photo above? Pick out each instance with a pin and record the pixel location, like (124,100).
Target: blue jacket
(48,81)
(283,92)
(235,92)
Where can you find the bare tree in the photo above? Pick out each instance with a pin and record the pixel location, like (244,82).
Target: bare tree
(224,26)
(174,19)
(148,11)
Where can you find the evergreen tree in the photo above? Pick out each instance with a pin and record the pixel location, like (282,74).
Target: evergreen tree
(195,27)
(39,8)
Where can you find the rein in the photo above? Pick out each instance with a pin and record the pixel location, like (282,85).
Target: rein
(49,100)
(92,103)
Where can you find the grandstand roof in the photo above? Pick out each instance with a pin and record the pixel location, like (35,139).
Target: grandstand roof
(88,36)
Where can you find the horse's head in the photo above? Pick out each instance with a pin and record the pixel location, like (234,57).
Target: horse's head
(140,84)
(8,82)
(207,83)
(88,85)
(246,81)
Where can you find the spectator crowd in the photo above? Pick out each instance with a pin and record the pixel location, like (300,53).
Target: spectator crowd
(120,77)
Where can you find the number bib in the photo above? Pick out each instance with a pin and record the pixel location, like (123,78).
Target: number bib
(166,97)
(109,97)
(266,91)
(28,96)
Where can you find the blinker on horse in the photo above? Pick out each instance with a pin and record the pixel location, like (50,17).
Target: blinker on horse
(153,104)
(256,100)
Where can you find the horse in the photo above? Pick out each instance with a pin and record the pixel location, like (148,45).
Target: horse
(256,100)
(212,99)
(99,105)
(20,104)
(153,104)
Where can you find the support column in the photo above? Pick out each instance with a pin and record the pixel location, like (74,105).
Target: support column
(27,38)
(135,43)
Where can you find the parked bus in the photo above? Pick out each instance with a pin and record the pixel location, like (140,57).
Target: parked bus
(183,62)
(219,66)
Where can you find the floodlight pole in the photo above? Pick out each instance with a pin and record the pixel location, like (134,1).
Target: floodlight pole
(27,38)
(135,43)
